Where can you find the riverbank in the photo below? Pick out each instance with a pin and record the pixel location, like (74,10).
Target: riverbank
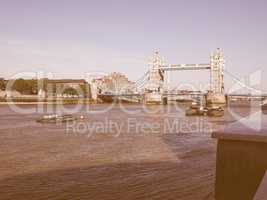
(38,101)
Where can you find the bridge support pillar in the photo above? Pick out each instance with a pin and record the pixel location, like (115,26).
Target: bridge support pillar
(164,100)
(215,100)
(153,98)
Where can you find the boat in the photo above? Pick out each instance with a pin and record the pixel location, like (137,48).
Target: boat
(264,107)
(105,98)
(54,118)
(215,112)
(196,110)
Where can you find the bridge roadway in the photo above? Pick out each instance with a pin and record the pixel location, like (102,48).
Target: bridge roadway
(120,95)
(134,97)
(202,66)
(164,94)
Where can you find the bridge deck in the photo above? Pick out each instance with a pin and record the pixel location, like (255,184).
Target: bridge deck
(186,67)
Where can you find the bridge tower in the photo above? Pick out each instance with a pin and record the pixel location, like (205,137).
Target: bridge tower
(156,78)
(217,64)
(154,86)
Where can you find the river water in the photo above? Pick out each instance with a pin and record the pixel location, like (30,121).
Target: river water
(115,152)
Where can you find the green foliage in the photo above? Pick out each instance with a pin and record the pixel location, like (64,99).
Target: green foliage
(70,91)
(2,84)
(27,87)
(30,87)
(85,90)
(34,86)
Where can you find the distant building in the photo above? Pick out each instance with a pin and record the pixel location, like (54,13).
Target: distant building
(114,83)
(65,88)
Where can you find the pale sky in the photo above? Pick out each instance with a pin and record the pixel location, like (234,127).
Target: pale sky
(73,38)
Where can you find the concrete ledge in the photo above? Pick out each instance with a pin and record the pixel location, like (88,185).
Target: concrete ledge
(262,190)
(253,132)
(241,161)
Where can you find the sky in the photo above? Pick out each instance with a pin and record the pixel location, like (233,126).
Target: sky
(70,39)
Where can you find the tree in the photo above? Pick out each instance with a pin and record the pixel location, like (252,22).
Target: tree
(70,91)
(27,87)
(23,86)
(85,88)
(34,86)
(2,84)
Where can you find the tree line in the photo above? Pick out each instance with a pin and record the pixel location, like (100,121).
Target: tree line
(2,84)
(23,86)
(30,87)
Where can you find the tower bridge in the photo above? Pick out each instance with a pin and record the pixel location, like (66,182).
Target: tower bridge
(157,85)
(154,86)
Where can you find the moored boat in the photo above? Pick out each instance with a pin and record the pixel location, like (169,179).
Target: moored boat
(196,110)
(54,118)
(215,112)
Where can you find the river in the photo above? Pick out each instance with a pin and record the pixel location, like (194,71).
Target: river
(115,152)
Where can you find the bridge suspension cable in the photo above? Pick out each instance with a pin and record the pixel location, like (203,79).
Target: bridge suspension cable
(241,83)
(140,83)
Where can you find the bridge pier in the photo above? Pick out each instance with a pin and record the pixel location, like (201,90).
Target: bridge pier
(153,98)
(164,100)
(216,100)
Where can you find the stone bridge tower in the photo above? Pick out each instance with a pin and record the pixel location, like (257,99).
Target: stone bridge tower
(155,82)
(156,77)
(217,64)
